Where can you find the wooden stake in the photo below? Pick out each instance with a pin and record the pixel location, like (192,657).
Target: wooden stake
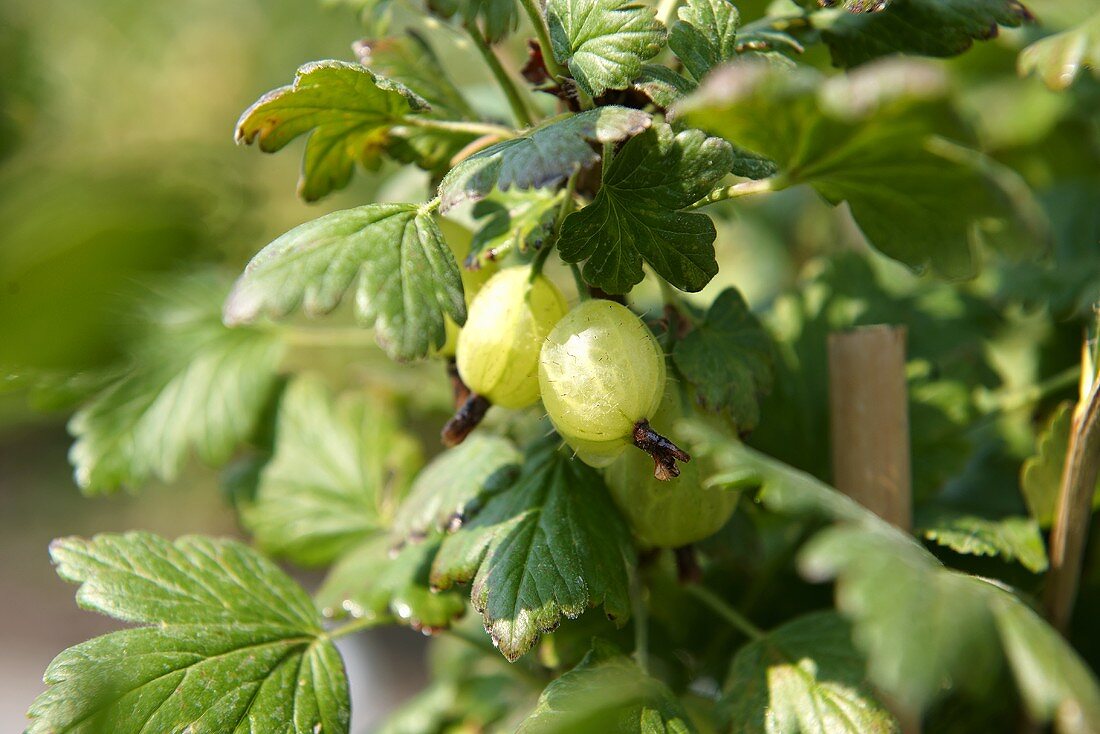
(869,405)
(869,426)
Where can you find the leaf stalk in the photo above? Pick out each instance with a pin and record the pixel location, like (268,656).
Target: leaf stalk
(538,23)
(516,100)
(472,128)
(737,190)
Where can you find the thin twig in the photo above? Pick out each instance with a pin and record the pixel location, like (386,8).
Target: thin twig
(641,621)
(725,611)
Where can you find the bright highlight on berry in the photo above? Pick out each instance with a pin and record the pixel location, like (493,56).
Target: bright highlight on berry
(498,348)
(602,377)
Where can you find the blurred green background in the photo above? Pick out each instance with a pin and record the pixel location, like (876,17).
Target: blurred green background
(117,164)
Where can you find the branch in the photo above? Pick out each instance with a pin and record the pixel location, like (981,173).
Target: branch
(1074,510)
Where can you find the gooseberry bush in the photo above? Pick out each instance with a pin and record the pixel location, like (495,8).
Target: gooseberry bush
(629,525)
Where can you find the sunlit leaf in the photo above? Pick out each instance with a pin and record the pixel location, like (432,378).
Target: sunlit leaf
(391,256)
(232,644)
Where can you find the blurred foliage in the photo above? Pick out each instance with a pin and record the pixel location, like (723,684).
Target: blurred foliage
(117,167)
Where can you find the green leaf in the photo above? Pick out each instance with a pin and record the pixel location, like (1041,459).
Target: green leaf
(348,112)
(662,85)
(1041,474)
(498,17)
(445,492)
(603,42)
(410,60)
(542,157)
(918,622)
(1058,59)
(470,692)
(728,359)
(752,165)
(917,27)
(636,213)
(805,676)
(782,488)
(192,385)
(404,276)
(872,139)
(607,692)
(514,220)
(232,644)
(921,626)
(338,473)
(1055,683)
(1011,538)
(705,35)
(368,583)
(550,546)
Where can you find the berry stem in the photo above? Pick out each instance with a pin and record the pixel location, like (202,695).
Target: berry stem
(664,452)
(458,387)
(465,420)
(687,565)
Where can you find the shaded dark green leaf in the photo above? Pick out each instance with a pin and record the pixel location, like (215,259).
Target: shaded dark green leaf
(514,220)
(549,546)
(541,157)
(607,692)
(636,215)
(917,27)
(728,359)
(662,85)
(705,35)
(444,493)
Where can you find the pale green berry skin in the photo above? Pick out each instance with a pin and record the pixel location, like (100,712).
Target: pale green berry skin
(667,514)
(601,371)
(458,239)
(498,348)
